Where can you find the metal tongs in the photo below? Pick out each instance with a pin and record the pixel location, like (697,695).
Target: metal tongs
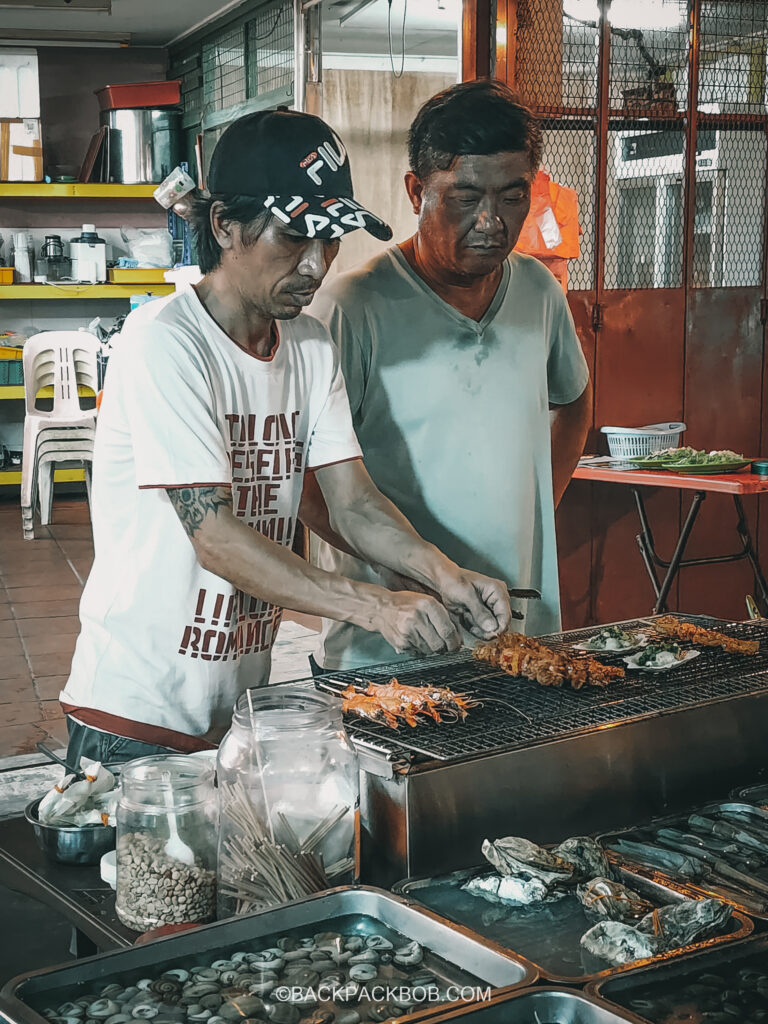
(522,595)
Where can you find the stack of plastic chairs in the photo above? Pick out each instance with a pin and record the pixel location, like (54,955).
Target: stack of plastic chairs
(66,360)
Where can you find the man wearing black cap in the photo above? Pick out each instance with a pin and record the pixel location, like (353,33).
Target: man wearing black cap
(217,401)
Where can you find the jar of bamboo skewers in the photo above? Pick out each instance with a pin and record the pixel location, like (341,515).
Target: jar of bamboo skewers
(166,842)
(288,800)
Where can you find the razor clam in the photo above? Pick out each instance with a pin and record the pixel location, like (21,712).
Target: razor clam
(513,855)
(587,856)
(508,889)
(658,857)
(619,943)
(680,924)
(608,899)
(726,830)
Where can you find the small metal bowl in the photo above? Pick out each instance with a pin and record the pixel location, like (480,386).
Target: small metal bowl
(70,844)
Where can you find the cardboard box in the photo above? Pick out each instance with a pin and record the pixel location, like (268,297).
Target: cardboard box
(19,83)
(21,150)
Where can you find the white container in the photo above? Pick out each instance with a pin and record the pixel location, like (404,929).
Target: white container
(89,256)
(634,442)
(19,83)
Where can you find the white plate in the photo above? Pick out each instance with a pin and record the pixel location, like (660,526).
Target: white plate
(642,641)
(689,655)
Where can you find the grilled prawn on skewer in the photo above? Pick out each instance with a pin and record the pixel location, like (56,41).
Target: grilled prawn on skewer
(394,702)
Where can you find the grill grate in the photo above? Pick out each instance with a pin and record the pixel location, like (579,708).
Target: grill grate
(517,712)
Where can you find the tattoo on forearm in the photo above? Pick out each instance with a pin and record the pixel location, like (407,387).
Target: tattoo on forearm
(193,504)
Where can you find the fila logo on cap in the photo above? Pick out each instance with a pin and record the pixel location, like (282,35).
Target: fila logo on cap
(324,156)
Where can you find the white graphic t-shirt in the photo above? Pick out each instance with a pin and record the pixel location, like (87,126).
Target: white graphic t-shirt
(166,646)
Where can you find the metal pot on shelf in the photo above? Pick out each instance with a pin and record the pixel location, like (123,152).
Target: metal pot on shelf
(144,144)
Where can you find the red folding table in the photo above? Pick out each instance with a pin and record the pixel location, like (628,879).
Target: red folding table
(735,484)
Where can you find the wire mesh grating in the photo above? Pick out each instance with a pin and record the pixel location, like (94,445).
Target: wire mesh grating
(558,54)
(517,712)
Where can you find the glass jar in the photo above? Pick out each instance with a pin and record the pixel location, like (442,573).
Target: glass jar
(166,842)
(288,799)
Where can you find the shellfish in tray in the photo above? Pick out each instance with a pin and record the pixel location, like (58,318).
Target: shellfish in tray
(393,702)
(513,890)
(660,657)
(586,855)
(515,856)
(661,930)
(613,640)
(523,656)
(604,898)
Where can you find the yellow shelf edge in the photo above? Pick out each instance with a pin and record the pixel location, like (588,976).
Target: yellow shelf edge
(11,477)
(17,391)
(73,190)
(82,291)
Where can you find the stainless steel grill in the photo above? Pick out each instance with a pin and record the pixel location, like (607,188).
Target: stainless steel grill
(517,712)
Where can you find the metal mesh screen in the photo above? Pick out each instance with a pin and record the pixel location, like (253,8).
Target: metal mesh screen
(731,168)
(555,56)
(644,207)
(732,56)
(224,70)
(646,159)
(271,50)
(570,158)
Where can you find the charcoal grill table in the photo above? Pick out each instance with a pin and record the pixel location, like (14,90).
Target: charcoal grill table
(735,484)
(546,762)
(76,892)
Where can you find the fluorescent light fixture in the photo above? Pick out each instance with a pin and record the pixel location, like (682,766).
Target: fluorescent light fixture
(60,5)
(662,15)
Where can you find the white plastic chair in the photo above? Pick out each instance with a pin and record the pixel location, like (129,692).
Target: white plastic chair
(66,360)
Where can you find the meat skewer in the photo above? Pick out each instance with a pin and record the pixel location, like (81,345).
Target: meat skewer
(680,630)
(523,656)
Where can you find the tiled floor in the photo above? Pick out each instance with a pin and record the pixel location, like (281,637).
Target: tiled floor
(40,585)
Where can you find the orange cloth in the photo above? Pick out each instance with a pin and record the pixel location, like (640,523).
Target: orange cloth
(548,199)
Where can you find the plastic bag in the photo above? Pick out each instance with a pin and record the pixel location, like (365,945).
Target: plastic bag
(152,247)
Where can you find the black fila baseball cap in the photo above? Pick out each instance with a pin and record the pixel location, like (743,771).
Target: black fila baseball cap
(299,167)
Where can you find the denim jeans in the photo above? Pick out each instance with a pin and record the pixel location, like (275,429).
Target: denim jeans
(105,746)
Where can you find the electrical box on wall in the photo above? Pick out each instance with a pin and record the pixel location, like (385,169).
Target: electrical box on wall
(19,83)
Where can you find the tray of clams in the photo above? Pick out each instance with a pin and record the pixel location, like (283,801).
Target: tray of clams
(728,985)
(341,957)
(572,912)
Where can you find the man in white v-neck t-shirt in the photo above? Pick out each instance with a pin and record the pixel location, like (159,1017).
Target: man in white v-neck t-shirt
(216,402)
(469,391)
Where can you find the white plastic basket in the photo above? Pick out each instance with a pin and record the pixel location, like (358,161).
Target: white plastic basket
(632,442)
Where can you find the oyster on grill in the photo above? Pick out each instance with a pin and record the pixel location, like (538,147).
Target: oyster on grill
(620,943)
(516,856)
(509,889)
(680,924)
(587,856)
(604,898)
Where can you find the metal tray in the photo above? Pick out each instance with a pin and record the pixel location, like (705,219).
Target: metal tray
(652,994)
(454,955)
(754,794)
(636,871)
(547,936)
(546,1005)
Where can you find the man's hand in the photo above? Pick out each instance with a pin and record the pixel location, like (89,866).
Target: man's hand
(416,622)
(480,603)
